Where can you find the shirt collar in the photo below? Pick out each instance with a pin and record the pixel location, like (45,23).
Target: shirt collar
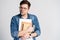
(27,14)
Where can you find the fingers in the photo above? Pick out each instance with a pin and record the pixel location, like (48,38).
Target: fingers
(21,33)
(26,35)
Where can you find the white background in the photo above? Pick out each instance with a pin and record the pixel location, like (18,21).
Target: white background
(47,11)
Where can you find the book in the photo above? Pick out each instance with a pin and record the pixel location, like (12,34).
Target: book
(24,25)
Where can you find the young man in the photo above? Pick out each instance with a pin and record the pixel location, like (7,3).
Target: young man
(16,34)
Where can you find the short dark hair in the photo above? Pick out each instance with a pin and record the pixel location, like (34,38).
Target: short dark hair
(25,2)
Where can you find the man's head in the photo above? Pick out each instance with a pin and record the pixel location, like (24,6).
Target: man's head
(24,7)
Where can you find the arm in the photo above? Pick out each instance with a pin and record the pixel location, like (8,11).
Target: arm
(37,31)
(14,27)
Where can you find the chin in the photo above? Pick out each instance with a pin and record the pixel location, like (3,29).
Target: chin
(22,14)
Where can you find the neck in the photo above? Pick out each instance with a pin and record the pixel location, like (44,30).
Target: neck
(25,16)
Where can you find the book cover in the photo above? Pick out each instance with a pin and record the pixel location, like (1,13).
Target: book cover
(24,24)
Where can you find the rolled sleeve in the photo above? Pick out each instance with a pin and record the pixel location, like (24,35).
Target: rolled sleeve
(37,26)
(15,34)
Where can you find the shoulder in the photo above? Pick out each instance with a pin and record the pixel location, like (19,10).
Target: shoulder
(15,16)
(32,16)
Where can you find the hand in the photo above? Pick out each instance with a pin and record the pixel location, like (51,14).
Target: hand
(21,33)
(26,35)
(34,34)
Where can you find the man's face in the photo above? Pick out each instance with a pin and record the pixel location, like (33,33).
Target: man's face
(24,9)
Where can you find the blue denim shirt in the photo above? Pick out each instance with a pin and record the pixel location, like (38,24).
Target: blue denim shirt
(14,26)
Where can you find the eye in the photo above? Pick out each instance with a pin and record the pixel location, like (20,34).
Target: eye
(23,8)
